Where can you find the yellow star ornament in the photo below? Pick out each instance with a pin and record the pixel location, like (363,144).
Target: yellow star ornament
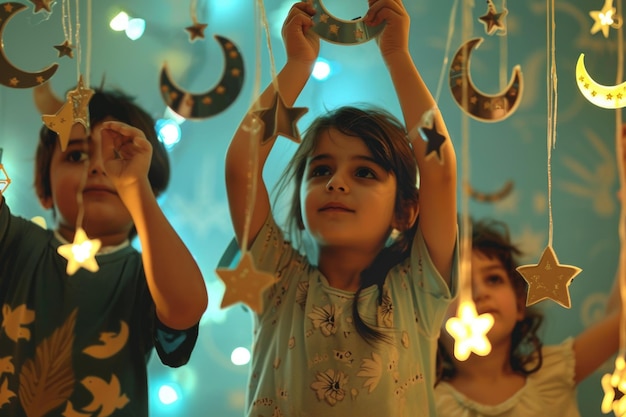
(603,19)
(470,331)
(548,279)
(81,253)
(245,284)
(614,386)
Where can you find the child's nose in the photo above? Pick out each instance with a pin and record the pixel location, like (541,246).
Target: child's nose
(336,183)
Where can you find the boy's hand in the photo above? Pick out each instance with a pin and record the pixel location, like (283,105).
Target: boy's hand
(395,36)
(127,154)
(301,44)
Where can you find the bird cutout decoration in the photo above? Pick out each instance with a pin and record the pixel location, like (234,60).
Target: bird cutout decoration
(214,101)
(481,106)
(10,75)
(196,31)
(469,331)
(65,49)
(74,110)
(42,5)
(5,180)
(614,387)
(494,20)
(603,19)
(339,31)
(245,284)
(548,279)
(492,197)
(278,119)
(81,253)
(434,139)
(608,97)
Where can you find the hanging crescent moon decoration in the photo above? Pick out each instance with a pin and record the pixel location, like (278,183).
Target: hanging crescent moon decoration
(212,102)
(345,32)
(489,197)
(10,75)
(481,106)
(608,97)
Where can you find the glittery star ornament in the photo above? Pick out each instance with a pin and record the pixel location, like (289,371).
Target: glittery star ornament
(614,387)
(603,19)
(79,97)
(81,253)
(196,31)
(493,20)
(245,284)
(280,120)
(470,331)
(41,4)
(65,49)
(548,279)
(434,139)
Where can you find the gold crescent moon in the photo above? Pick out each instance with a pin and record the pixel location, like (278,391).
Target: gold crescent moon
(492,197)
(10,75)
(608,97)
(212,102)
(345,32)
(481,106)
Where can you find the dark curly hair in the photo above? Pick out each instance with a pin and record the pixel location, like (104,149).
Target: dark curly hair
(492,239)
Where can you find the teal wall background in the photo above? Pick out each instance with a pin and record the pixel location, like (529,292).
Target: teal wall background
(584,166)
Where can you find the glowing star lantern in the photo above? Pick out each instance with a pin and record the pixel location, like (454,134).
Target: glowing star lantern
(245,284)
(603,19)
(4,177)
(614,387)
(81,253)
(548,279)
(470,331)
(608,97)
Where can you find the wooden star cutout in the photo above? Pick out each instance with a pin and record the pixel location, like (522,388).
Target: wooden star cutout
(470,331)
(61,123)
(548,279)
(245,284)
(493,20)
(81,253)
(196,31)
(4,178)
(280,120)
(434,141)
(603,19)
(65,49)
(41,4)
(79,97)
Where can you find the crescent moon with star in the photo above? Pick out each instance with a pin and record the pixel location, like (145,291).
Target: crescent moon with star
(345,32)
(207,104)
(479,105)
(10,75)
(608,97)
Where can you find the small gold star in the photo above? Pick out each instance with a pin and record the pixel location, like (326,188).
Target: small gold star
(470,331)
(65,49)
(80,253)
(603,19)
(196,31)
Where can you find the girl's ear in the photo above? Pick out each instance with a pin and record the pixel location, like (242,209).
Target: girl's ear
(46,202)
(408,218)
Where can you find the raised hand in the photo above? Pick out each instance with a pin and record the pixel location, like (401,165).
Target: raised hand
(301,44)
(395,37)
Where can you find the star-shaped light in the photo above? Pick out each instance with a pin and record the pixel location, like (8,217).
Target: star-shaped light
(548,279)
(196,31)
(603,19)
(434,139)
(65,49)
(470,331)
(280,120)
(81,253)
(245,284)
(614,387)
(41,4)
(493,20)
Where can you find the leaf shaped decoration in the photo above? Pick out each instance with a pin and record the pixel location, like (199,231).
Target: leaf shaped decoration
(47,381)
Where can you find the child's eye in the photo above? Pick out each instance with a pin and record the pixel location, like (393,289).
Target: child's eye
(365,173)
(320,171)
(495,279)
(76,156)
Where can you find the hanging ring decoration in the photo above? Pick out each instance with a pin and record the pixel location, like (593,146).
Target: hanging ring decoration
(344,32)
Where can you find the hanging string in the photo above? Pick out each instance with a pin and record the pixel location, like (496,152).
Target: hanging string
(504,55)
(444,66)
(194,12)
(552,99)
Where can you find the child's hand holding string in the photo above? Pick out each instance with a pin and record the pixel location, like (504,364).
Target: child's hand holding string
(127,155)
(301,44)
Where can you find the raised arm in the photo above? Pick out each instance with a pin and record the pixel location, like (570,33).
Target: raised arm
(302,47)
(173,277)
(438,189)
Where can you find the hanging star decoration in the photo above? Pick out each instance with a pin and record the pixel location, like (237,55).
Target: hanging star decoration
(434,140)
(196,31)
(81,253)
(493,20)
(603,19)
(548,279)
(5,180)
(280,120)
(74,110)
(245,284)
(470,331)
(614,387)
(41,5)
(65,49)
